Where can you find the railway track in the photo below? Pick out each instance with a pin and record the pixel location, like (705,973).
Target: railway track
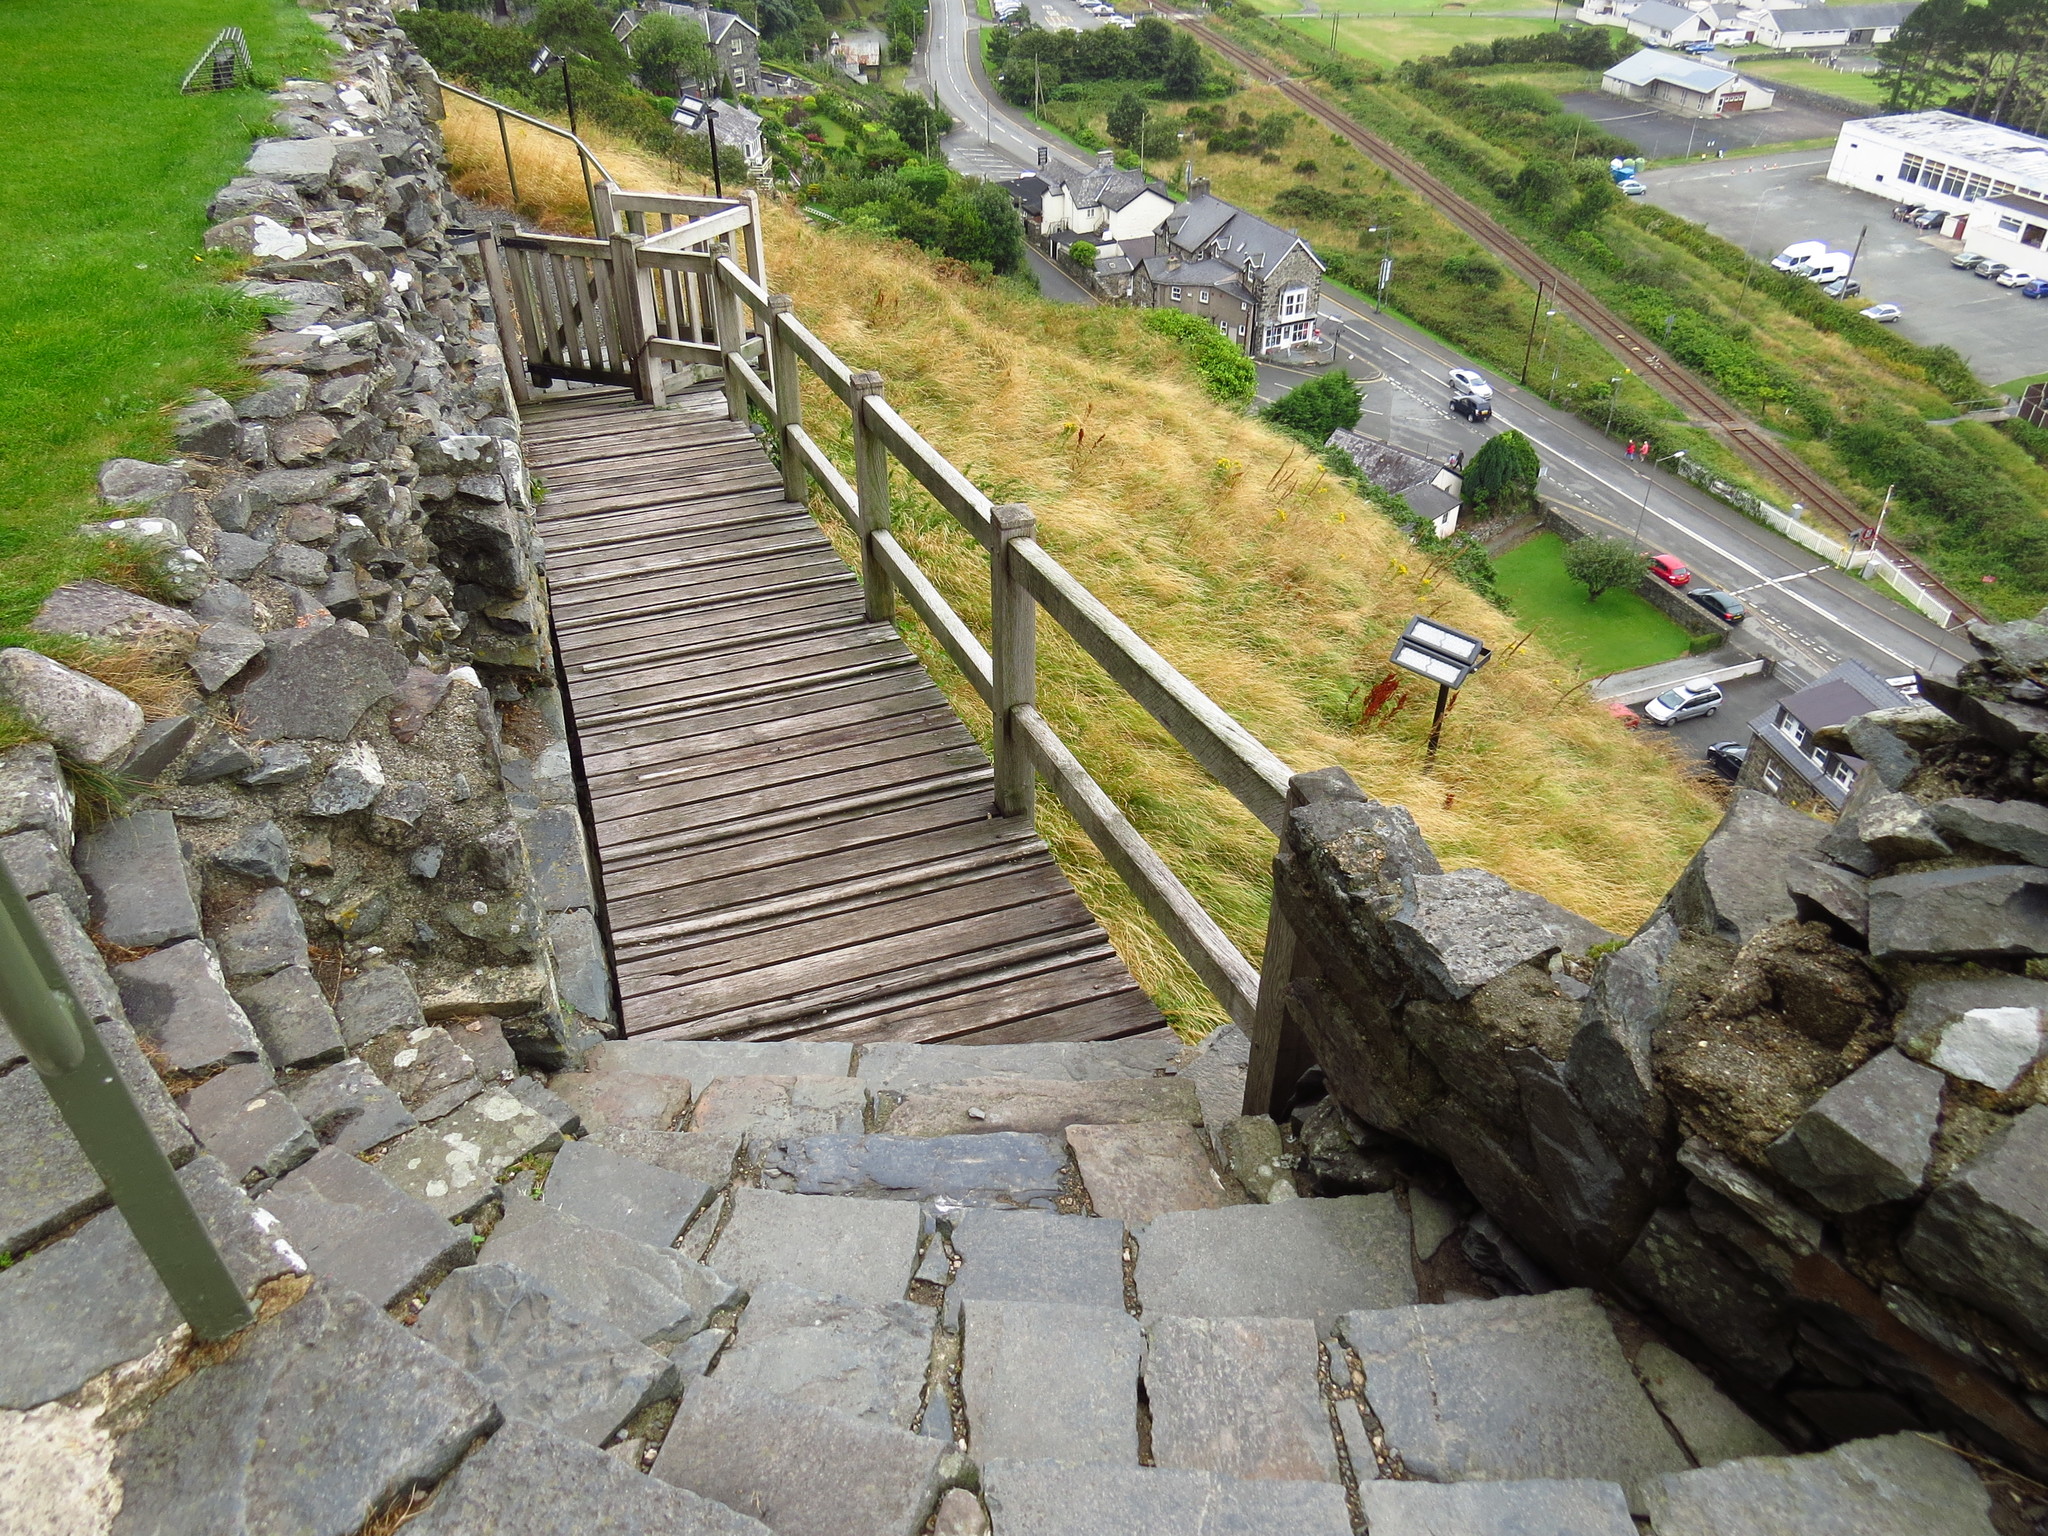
(1694,396)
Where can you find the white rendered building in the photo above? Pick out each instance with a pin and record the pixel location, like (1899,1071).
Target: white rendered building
(1940,160)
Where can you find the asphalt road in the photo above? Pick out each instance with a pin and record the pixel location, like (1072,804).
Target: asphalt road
(1662,135)
(1807,619)
(1747,697)
(1764,204)
(993,139)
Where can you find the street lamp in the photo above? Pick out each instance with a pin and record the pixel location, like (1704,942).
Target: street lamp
(1447,657)
(1386,265)
(1613,399)
(692,110)
(547,59)
(1644,510)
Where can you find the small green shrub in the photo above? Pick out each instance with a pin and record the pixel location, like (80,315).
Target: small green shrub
(1228,375)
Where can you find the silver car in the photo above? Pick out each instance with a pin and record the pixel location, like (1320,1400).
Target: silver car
(1688,701)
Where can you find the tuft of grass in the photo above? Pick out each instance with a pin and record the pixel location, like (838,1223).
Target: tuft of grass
(151,672)
(108,316)
(1620,631)
(1229,548)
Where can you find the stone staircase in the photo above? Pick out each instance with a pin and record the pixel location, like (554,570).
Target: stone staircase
(820,1291)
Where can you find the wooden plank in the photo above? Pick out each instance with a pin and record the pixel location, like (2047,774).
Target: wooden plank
(747,729)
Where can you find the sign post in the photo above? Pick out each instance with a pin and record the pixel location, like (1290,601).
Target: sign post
(1447,657)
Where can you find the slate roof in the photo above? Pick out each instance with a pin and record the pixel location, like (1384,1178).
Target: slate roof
(1102,186)
(1650,66)
(1029,193)
(1430,487)
(1237,235)
(1665,18)
(1835,18)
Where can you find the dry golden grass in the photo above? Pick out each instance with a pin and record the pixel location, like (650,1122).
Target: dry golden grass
(1268,583)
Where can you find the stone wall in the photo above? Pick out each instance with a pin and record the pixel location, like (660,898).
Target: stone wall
(1802,1114)
(367,769)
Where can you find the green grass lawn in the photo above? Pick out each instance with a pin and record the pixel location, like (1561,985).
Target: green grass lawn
(1818,77)
(108,315)
(1388,33)
(1618,632)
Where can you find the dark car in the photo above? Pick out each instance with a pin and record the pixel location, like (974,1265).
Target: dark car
(1471,408)
(1727,757)
(1728,610)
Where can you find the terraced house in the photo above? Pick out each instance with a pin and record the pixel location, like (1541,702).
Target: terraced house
(1261,284)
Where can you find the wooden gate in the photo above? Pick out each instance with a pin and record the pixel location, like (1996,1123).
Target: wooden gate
(566,294)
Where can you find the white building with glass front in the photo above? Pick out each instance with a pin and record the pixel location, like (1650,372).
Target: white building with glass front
(1940,160)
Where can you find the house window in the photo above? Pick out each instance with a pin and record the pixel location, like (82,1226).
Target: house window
(1773,779)
(2007,225)
(1909,169)
(1202,297)
(738,48)
(1843,774)
(739,79)
(1294,303)
(1792,727)
(1176,294)
(2034,235)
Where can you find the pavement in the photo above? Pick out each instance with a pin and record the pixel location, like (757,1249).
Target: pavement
(1765,203)
(1661,135)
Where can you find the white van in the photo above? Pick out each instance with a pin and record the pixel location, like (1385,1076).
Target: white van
(1793,255)
(1826,269)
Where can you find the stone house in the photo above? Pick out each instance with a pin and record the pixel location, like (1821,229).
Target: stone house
(1261,284)
(735,42)
(1784,759)
(1431,488)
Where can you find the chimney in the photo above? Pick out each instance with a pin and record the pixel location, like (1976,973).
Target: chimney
(1198,187)
(1105,159)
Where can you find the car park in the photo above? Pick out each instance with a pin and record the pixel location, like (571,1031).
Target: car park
(1633,187)
(2011,279)
(1884,314)
(1472,408)
(1728,610)
(1843,288)
(1670,569)
(1727,757)
(1466,381)
(1992,269)
(1688,701)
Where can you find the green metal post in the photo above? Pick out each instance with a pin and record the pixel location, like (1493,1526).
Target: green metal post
(37,1003)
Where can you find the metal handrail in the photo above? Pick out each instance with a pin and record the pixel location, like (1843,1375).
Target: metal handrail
(38,1005)
(585,157)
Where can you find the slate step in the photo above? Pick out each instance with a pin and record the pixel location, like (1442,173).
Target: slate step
(528,1481)
(902,1068)
(1239,1396)
(1033,1256)
(654,1295)
(243,1118)
(455,1163)
(1004,1169)
(1523,1387)
(977,1105)
(360,1231)
(761,1108)
(540,1359)
(1301,1258)
(1051,1498)
(1050,1381)
(638,1101)
(865,1250)
(694,1154)
(1137,1172)
(627,1195)
(1899,1485)
(1550,1507)
(699,1061)
(867,1360)
(800,1470)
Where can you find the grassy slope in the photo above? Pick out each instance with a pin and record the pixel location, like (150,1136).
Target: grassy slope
(1386,40)
(107,316)
(1271,586)
(1618,632)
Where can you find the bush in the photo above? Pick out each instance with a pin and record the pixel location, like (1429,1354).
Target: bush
(1502,475)
(1463,554)
(1083,254)
(1470,267)
(1600,565)
(1314,409)
(1228,375)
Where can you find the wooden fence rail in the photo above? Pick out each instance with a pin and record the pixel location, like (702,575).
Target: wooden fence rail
(675,282)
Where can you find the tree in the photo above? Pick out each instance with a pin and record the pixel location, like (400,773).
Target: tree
(1126,122)
(919,123)
(1502,475)
(670,53)
(1318,407)
(1083,254)
(579,27)
(1601,564)
(1185,71)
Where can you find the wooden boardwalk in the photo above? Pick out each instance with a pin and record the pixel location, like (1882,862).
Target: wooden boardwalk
(795,832)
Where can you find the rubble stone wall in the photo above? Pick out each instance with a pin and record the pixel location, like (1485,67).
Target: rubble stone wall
(1802,1113)
(369,770)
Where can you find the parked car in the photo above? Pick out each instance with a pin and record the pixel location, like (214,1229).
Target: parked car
(1964,261)
(1671,569)
(1908,684)
(1825,269)
(2037,289)
(1905,213)
(1992,269)
(1727,757)
(1633,187)
(1802,251)
(1688,701)
(1466,381)
(1843,288)
(1885,314)
(1472,408)
(2012,279)
(1698,48)
(1930,218)
(1728,610)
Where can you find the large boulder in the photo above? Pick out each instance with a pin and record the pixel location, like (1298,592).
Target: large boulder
(1736,885)
(1983,1236)
(317,683)
(82,717)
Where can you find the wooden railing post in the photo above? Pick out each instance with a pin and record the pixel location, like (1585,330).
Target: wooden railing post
(603,220)
(633,291)
(731,335)
(871,490)
(1013,648)
(505,316)
(789,397)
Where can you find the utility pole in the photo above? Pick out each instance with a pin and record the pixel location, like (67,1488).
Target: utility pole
(1853,257)
(1529,347)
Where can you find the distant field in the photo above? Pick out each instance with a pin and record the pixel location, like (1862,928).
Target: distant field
(1387,33)
(1618,632)
(1817,77)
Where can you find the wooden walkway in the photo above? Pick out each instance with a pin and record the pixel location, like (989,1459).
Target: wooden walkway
(795,832)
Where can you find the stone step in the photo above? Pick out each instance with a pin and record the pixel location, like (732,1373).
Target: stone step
(1051,1498)
(360,1231)
(865,1250)
(763,1108)
(349,1108)
(1050,1381)
(1239,1396)
(699,1061)
(1044,1107)
(694,1154)
(1523,1387)
(541,1359)
(454,1164)
(529,1480)
(1900,1485)
(243,1118)
(1004,1169)
(1301,1258)
(627,1195)
(640,1101)
(902,1068)
(799,1469)
(1032,1256)
(651,1294)
(1547,1507)
(867,1360)
(1137,1172)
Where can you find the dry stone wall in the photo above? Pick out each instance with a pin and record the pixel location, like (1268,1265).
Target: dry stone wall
(1802,1114)
(367,775)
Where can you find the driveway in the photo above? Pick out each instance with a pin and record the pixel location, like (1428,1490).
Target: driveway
(1765,203)
(1664,136)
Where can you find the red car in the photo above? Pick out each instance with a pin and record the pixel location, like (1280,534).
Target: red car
(1670,568)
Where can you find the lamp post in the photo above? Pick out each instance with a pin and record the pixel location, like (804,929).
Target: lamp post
(1529,346)
(1644,510)
(547,59)
(690,111)
(1386,265)
(1447,657)
(1613,399)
